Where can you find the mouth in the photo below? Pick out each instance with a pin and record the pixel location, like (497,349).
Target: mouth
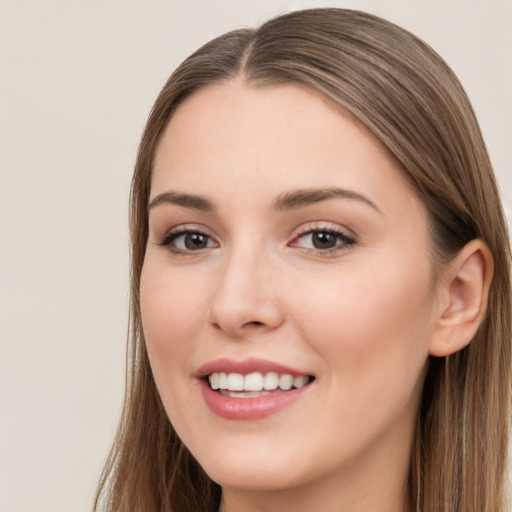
(251,389)
(255,384)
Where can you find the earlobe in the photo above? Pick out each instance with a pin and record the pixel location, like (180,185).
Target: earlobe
(465,290)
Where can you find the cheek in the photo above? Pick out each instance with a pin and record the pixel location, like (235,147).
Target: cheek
(370,326)
(172,312)
(373,340)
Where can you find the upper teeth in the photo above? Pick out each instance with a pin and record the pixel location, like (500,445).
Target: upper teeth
(256,381)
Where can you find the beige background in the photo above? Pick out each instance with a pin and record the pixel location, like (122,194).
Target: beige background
(77,80)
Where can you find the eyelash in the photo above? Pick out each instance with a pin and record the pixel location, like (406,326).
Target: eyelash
(346,241)
(172,236)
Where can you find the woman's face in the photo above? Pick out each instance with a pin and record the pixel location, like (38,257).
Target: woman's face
(285,249)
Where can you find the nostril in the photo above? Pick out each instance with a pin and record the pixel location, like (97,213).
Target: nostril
(254,324)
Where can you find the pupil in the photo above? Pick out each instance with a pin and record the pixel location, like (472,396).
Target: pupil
(324,240)
(195,241)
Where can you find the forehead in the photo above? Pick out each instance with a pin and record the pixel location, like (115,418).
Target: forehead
(240,107)
(234,136)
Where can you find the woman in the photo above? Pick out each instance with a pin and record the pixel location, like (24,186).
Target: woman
(320,282)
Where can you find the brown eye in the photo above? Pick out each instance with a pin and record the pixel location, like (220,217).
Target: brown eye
(194,241)
(323,240)
(188,241)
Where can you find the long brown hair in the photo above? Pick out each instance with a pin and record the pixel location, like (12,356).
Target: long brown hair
(404,93)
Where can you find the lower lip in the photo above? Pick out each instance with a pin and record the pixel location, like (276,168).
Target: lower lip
(249,408)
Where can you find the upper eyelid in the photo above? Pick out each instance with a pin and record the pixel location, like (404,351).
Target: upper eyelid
(183,229)
(324,226)
(339,233)
(189,228)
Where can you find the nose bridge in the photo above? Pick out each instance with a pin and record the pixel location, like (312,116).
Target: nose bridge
(245,298)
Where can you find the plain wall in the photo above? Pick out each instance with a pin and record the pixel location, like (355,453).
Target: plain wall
(77,80)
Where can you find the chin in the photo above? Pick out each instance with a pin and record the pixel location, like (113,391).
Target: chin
(252,479)
(254,473)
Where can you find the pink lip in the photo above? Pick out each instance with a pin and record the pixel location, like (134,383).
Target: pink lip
(244,367)
(247,408)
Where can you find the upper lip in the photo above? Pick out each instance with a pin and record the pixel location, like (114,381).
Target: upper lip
(245,367)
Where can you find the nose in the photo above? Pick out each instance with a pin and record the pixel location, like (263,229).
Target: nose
(245,299)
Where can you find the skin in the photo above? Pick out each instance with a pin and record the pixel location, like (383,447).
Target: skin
(361,317)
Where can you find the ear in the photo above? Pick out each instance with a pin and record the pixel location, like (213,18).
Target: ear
(463,298)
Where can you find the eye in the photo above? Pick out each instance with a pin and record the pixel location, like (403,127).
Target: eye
(325,240)
(184,241)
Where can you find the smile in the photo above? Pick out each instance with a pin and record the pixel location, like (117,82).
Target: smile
(254,384)
(251,389)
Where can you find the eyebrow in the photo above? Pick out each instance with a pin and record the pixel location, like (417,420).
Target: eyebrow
(187,200)
(287,201)
(305,197)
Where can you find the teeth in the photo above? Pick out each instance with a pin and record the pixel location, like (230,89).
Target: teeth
(286,382)
(235,382)
(223,380)
(299,382)
(271,381)
(214,380)
(255,382)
